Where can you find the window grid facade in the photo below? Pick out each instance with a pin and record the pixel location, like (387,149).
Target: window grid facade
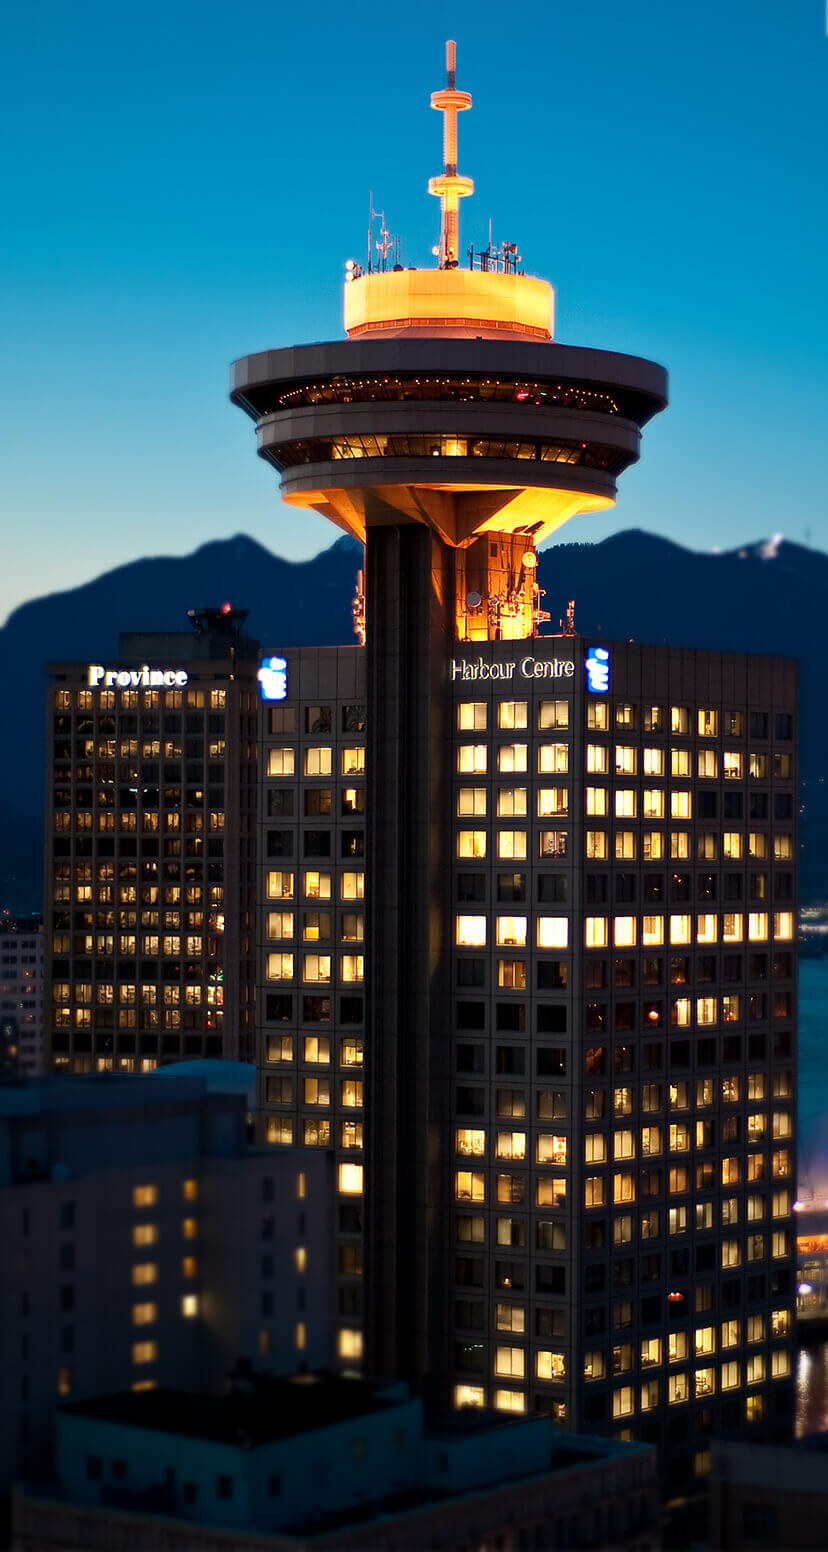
(311,941)
(150,867)
(624,1012)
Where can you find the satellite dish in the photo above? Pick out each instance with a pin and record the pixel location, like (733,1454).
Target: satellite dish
(474,600)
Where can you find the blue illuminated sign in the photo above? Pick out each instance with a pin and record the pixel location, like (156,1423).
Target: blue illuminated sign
(273,678)
(597,665)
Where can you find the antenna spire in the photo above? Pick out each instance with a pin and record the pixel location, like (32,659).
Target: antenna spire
(448,186)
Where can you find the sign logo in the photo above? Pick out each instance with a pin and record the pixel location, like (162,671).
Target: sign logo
(136,678)
(272,677)
(528,668)
(597,665)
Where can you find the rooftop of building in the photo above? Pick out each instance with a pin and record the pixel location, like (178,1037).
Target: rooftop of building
(104,1091)
(270,1410)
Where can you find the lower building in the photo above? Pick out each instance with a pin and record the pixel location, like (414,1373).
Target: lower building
(330,1463)
(151,1246)
(21,994)
(769,1496)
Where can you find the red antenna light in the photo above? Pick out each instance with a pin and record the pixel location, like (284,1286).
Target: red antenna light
(226,608)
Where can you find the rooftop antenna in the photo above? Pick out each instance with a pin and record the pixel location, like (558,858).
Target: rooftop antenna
(448,186)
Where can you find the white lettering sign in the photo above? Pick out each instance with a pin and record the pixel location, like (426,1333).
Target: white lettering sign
(136,678)
(470,669)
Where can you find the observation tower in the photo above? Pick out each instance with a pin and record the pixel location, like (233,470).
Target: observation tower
(451,435)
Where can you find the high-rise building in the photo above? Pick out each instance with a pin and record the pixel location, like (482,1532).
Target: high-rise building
(21,994)
(579,885)
(152,1246)
(150,850)
(310,914)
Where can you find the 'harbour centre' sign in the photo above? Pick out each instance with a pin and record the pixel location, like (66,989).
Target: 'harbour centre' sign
(136,678)
(469,670)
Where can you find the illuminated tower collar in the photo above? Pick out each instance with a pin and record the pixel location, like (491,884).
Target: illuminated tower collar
(448,186)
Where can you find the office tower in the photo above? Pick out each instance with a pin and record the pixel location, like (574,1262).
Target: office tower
(150,850)
(310,914)
(152,1247)
(539,809)
(21,993)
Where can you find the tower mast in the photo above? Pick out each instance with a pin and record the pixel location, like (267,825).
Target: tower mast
(448,185)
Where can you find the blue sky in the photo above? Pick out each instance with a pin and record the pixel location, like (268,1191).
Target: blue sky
(182,183)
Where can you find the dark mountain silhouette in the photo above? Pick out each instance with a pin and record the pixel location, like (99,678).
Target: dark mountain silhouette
(767,598)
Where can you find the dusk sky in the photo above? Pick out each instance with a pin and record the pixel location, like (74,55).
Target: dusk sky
(182,183)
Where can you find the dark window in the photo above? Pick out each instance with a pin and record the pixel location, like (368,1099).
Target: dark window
(595,974)
(511,886)
(553,888)
(280,843)
(67,1216)
(94,1468)
(317,801)
(783,805)
(510,1059)
(471,1015)
(707,805)
(278,1007)
(551,1020)
(350,1010)
(551,975)
(352,843)
(471,886)
(783,725)
(316,1010)
(510,1017)
(625,892)
(551,1279)
(471,972)
(758,805)
(280,802)
(224,1487)
(680,886)
(471,1102)
(470,1058)
(734,804)
(625,972)
(595,1060)
(596,888)
(353,719)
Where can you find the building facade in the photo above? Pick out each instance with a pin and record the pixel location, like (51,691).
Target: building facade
(153,1247)
(312,1462)
(21,993)
(150,851)
(310,915)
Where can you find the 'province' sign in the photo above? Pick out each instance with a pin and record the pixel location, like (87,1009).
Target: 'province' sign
(136,678)
(467,670)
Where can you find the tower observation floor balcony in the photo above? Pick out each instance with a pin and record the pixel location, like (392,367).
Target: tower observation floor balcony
(464,435)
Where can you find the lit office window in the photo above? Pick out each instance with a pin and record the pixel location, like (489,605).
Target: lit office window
(144,1352)
(552,802)
(144,1196)
(624,931)
(279,967)
(318,761)
(471,844)
(596,800)
(511,802)
(471,716)
(553,759)
(596,845)
(470,931)
(350,1179)
(512,758)
(472,759)
(550,1365)
(513,714)
(471,802)
(553,714)
(553,931)
(707,764)
(468,1396)
(652,803)
(511,845)
(596,932)
(597,759)
(626,802)
(281,762)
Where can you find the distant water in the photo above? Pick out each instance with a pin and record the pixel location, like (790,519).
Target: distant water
(813,1040)
(812,1362)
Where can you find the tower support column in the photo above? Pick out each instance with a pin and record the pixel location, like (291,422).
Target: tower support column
(410,599)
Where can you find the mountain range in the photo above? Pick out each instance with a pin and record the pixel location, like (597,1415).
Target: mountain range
(767,597)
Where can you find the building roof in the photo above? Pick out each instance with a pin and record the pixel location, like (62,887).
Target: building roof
(274,1409)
